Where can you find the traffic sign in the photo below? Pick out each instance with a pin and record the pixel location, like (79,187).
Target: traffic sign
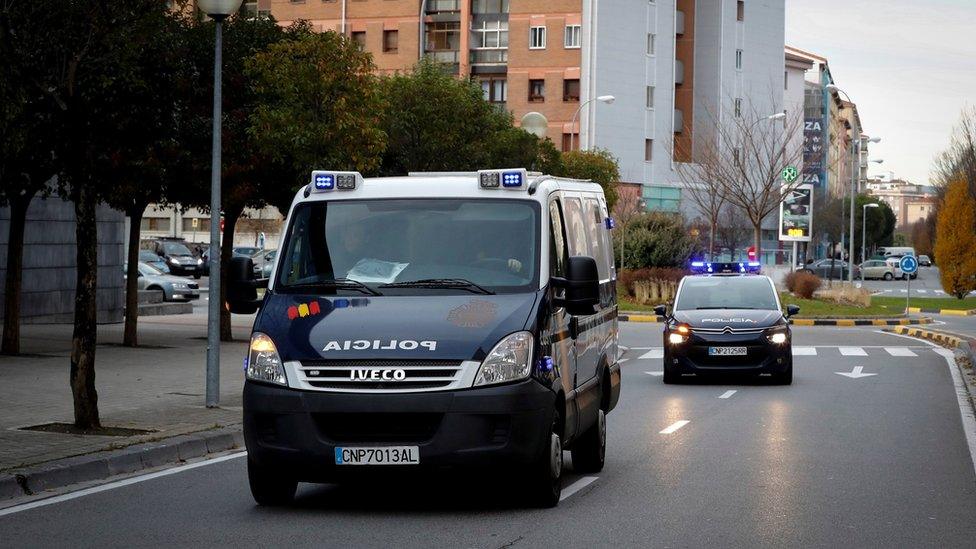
(908,264)
(790,174)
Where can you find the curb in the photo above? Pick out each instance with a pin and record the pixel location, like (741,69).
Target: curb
(859,321)
(947,312)
(629,317)
(100,465)
(960,342)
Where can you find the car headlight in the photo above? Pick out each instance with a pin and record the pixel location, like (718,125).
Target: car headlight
(263,362)
(679,334)
(174,261)
(199,261)
(777,336)
(676,339)
(510,360)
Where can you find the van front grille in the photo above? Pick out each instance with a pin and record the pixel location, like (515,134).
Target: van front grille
(383,375)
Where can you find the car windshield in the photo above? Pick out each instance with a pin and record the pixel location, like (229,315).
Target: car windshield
(146,269)
(176,248)
(453,242)
(246,251)
(726,292)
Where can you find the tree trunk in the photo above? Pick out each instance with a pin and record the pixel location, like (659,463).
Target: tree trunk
(130,334)
(711,240)
(231,215)
(83,339)
(14,277)
(757,240)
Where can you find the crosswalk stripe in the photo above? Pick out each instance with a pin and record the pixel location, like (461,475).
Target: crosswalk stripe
(853,351)
(804,351)
(899,351)
(656,352)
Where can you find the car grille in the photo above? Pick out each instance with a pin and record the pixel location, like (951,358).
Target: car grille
(347,374)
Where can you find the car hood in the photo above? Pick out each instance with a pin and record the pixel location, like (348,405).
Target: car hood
(452,327)
(733,318)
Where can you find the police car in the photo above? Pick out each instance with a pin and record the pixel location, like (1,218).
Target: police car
(432,322)
(727,318)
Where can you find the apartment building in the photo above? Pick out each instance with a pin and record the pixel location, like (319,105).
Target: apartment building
(256,227)
(910,202)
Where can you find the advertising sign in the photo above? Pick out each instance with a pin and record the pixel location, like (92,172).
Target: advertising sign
(796,214)
(814,152)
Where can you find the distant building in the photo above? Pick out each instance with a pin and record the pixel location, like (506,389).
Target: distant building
(910,202)
(193,225)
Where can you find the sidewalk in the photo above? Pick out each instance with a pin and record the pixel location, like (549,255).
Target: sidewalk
(158,386)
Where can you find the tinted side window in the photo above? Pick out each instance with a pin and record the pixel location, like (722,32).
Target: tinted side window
(576,227)
(597,237)
(557,241)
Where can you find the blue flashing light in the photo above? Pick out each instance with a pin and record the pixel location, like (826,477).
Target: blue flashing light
(697,264)
(610,223)
(545,364)
(755,264)
(340,303)
(512,180)
(324,181)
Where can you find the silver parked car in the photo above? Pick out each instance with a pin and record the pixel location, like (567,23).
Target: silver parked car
(877,268)
(174,288)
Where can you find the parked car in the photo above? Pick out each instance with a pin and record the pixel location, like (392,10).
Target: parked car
(831,269)
(924,261)
(178,256)
(149,257)
(895,261)
(264,262)
(876,268)
(174,288)
(246,251)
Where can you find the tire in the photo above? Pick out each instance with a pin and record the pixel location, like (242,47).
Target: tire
(270,488)
(888,276)
(544,484)
(590,451)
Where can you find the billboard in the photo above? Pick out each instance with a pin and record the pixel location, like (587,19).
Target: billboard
(814,152)
(796,213)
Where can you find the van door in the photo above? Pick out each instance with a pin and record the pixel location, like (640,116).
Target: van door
(562,350)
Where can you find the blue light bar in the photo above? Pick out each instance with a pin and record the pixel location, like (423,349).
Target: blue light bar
(697,263)
(325,181)
(514,179)
(611,224)
(701,267)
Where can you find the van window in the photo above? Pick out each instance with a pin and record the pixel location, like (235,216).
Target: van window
(597,237)
(557,241)
(493,243)
(576,227)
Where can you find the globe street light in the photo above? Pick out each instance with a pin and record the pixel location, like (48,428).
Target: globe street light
(864,218)
(608,99)
(218,10)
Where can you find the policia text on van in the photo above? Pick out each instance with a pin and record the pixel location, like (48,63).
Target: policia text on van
(430,321)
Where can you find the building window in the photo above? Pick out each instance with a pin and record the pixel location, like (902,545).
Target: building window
(651,43)
(391,40)
(662,199)
(570,139)
(155,224)
(650,97)
(492,34)
(740,11)
(359,37)
(738,107)
(444,36)
(571,90)
(648,150)
(786,80)
(489,6)
(571,38)
(537,38)
(735,158)
(537,91)
(738,59)
(495,90)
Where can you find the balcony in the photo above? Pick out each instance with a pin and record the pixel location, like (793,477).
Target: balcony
(489,57)
(447,56)
(443,6)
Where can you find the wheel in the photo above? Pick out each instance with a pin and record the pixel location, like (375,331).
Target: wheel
(784,378)
(270,488)
(888,276)
(590,451)
(197,276)
(544,484)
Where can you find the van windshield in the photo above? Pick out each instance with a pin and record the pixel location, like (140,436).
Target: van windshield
(490,243)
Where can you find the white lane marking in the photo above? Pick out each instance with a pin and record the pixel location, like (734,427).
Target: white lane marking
(655,352)
(965,407)
(641,348)
(674,427)
(856,373)
(117,484)
(804,351)
(853,351)
(622,360)
(727,394)
(654,373)
(900,351)
(577,486)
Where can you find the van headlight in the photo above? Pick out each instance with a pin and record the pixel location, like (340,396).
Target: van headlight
(510,360)
(263,362)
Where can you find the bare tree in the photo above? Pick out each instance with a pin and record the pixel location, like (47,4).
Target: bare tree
(732,230)
(959,159)
(705,191)
(628,207)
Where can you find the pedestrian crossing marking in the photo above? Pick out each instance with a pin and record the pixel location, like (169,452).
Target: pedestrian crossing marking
(853,351)
(804,351)
(900,351)
(657,352)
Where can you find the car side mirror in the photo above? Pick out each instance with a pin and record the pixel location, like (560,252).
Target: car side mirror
(792,310)
(661,310)
(582,285)
(242,287)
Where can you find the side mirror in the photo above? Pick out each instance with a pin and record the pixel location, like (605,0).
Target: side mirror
(792,310)
(661,310)
(582,285)
(242,287)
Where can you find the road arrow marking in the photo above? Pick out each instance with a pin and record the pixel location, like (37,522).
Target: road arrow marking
(855,373)
(654,373)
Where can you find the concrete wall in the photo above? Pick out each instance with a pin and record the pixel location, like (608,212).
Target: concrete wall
(49,262)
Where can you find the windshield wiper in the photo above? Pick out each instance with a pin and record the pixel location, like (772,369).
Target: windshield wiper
(343,283)
(459,283)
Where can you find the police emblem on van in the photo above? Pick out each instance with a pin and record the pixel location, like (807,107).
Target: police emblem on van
(379,345)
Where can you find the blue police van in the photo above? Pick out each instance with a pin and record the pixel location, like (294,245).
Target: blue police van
(432,322)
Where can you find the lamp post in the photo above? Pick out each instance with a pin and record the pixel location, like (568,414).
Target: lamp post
(772,117)
(218,10)
(864,225)
(608,99)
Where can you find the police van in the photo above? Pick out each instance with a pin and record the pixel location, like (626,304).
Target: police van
(430,322)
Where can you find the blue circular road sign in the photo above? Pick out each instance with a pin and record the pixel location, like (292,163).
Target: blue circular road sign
(908,264)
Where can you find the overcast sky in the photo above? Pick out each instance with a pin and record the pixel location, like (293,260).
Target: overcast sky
(909,65)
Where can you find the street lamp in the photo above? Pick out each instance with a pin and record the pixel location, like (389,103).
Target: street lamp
(218,10)
(864,219)
(608,99)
